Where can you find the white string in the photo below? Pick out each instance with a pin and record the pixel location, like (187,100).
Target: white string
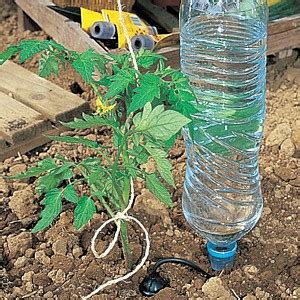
(117,219)
(135,65)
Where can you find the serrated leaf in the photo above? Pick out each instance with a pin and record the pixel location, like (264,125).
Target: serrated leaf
(119,83)
(147,59)
(162,124)
(158,189)
(8,53)
(84,212)
(86,63)
(53,179)
(70,194)
(29,48)
(163,165)
(48,65)
(42,167)
(52,207)
(75,140)
(148,90)
(89,121)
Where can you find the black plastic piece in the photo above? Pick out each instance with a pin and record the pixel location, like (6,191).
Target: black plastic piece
(154,282)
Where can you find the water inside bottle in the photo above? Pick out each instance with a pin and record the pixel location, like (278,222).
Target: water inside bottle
(224,57)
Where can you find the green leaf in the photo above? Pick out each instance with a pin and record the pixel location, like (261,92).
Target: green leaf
(158,189)
(86,63)
(70,194)
(52,207)
(147,59)
(29,48)
(48,65)
(119,83)
(161,124)
(53,179)
(75,140)
(42,167)
(89,121)
(164,166)
(84,212)
(148,90)
(8,53)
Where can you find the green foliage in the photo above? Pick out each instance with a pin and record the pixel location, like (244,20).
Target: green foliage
(158,189)
(84,212)
(145,111)
(52,207)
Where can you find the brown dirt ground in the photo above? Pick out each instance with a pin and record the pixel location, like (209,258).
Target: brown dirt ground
(58,263)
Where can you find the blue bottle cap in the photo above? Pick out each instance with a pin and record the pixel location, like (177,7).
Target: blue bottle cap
(222,251)
(221,257)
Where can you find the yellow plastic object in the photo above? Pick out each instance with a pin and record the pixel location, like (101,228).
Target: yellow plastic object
(273,2)
(133,23)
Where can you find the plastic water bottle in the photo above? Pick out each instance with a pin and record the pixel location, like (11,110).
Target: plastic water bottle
(223,52)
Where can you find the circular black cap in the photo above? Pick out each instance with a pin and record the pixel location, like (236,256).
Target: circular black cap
(152,284)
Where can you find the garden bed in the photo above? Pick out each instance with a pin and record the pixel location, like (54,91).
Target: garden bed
(58,262)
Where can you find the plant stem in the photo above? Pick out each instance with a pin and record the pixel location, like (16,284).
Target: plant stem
(125,245)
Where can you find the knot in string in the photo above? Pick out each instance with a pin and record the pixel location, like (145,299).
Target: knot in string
(120,216)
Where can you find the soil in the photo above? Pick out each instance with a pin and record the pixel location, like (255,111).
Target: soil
(58,263)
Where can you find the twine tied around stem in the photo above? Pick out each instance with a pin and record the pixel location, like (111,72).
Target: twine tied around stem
(120,216)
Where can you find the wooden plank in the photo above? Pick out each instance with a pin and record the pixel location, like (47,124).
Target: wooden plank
(57,26)
(284,24)
(40,94)
(27,145)
(284,40)
(19,122)
(25,22)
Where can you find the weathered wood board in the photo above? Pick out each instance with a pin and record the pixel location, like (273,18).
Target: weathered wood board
(31,108)
(39,93)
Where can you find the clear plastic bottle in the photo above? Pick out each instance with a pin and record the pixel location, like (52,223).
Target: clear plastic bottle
(223,52)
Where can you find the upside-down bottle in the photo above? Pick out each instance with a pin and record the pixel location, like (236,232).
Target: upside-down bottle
(223,53)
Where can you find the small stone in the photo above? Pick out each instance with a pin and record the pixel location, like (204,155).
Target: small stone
(285,174)
(262,295)
(4,188)
(288,147)
(166,293)
(267,211)
(256,232)
(41,257)
(27,277)
(60,247)
(22,203)
(77,251)
(169,232)
(48,295)
(17,169)
(296,134)
(20,262)
(279,134)
(177,233)
(296,292)
(198,283)
(18,244)
(214,289)
(250,271)
(57,276)
(29,253)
